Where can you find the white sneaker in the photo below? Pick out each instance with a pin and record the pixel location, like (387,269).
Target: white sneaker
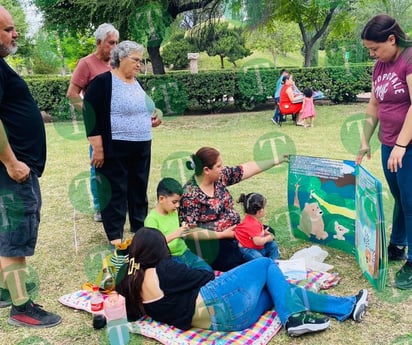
(97,217)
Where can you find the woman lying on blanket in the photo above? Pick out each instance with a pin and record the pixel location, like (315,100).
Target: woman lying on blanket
(170,292)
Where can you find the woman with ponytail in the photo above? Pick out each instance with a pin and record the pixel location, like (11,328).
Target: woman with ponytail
(390,106)
(207,203)
(154,284)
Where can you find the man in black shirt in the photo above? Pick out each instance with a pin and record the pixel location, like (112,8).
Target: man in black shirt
(22,161)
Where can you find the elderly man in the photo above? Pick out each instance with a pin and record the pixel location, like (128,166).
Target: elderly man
(22,161)
(87,68)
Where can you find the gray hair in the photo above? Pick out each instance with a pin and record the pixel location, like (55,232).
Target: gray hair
(122,50)
(104,30)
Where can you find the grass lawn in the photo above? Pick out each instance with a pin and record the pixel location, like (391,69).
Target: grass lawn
(62,263)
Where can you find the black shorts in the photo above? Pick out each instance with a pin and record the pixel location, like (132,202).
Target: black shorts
(19,215)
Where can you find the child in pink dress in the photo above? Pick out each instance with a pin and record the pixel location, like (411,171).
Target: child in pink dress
(308,108)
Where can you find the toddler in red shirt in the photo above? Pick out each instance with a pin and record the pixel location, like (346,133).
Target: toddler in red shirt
(254,239)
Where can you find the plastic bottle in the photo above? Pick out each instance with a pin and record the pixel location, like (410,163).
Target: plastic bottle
(117,324)
(96,306)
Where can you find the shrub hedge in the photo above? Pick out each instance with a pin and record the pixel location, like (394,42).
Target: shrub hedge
(212,91)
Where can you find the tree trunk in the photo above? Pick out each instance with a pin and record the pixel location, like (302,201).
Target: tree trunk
(274,56)
(222,64)
(308,53)
(156,60)
(309,43)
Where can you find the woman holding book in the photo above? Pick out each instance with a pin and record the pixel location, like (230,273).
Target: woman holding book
(390,106)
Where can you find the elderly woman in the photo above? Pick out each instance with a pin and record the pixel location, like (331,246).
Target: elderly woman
(207,203)
(119,117)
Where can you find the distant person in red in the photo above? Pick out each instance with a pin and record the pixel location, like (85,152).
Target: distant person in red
(287,98)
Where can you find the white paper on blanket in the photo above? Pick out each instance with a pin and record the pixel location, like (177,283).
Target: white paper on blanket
(293,269)
(314,257)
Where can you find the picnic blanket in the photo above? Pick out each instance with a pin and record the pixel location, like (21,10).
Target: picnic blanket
(260,333)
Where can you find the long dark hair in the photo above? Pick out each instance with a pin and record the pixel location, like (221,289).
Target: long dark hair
(379,28)
(148,247)
(285,77)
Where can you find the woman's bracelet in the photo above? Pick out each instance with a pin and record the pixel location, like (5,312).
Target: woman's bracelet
(403,146)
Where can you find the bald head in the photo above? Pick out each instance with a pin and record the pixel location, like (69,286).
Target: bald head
(8,34)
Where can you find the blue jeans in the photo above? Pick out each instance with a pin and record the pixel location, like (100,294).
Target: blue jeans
(222,255)
(93,184)
(192,260)
(276,114)
(400,185)
(270,250)
(237,298)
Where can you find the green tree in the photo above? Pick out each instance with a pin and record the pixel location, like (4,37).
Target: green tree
(175,52)
(145,21)
(366,9)
(312,16)
(75,46)
(343,43)
(45,57)
(221,40)
(276,37)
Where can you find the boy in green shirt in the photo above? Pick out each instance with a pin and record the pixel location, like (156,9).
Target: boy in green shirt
(165,218)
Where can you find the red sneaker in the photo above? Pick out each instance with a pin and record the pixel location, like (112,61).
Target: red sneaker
(32,315)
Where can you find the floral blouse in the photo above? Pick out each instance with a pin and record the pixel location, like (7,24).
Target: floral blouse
(214,213)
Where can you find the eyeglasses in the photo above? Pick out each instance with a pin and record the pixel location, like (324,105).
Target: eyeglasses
(136,60)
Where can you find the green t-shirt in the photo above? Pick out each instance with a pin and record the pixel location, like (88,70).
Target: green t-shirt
(167,224)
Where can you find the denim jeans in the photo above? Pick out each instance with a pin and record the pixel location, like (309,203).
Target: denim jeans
(93,183)
(270,250)
(276,114)
(222,255)
(192,260)
(20,205)
(237,298)
(400,185)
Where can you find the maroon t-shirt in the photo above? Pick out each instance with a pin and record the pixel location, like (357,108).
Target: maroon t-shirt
(392,94)
(87,69)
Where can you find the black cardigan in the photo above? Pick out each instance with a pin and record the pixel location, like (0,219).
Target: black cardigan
(96,110)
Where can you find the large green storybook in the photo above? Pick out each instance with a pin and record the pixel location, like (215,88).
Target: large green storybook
(339,204)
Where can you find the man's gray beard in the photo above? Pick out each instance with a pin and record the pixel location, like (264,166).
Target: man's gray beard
(4,51)
(13,50)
